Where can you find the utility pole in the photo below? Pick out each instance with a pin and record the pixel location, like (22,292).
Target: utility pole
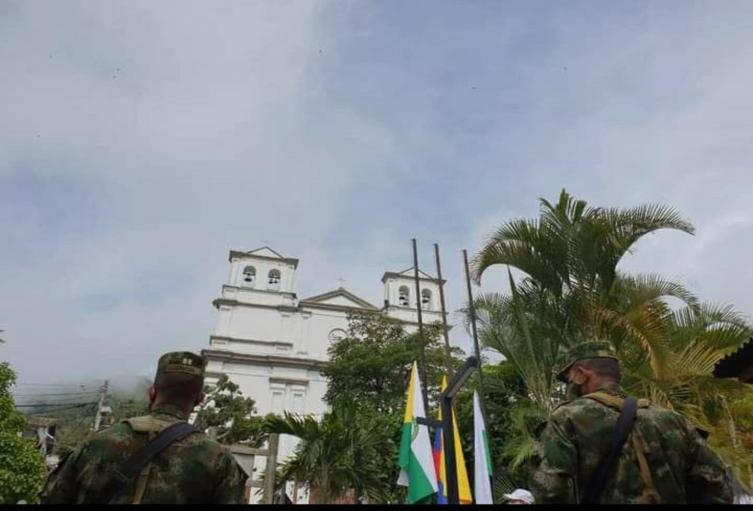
(100,406)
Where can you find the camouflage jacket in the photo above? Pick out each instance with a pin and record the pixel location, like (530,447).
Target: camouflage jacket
(665,459)
(192,470)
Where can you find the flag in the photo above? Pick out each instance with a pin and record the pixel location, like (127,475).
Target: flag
(464,488)
(482,460)
(437,451)
(415,458)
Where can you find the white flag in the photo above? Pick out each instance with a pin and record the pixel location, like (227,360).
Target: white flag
(482,460)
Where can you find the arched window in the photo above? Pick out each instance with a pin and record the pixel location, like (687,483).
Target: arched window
(403,298)
(274,279)
(249,275)
(337,334)
(426,299)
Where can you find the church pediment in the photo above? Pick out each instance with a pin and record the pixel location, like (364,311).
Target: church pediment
(264,253)
(339,298)
(410,274)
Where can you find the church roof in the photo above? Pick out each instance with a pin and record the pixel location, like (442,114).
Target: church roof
(263,253)
(331,298)
(409,273)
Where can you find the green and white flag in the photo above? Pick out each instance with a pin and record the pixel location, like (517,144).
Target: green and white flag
(415,460)
(482,460)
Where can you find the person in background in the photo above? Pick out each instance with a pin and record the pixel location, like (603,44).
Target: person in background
(519,496)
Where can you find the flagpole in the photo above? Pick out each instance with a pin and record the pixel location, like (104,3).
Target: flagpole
(445,329)
(448,433)
(421,357)
(472,311)
(474,330)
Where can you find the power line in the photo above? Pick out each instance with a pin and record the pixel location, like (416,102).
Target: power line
(24,384)
(52,405)
(72,407)
(90,393)
(44,395)
(51,386)
(46,405)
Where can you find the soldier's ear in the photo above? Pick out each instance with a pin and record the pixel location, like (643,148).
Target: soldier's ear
(152,393)
(199,399)
(578,375)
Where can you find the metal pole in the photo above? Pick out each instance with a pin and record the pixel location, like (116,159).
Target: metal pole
(445,330)
(448,432)
(472,311)
(98,416)
(448,435)
(418,290)
(421,356)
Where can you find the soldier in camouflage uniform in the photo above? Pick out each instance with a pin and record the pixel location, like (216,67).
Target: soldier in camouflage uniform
(193,469)
(664,460)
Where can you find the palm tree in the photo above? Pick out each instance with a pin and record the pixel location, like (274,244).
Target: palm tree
(571,252)
(572,290)
(338,454)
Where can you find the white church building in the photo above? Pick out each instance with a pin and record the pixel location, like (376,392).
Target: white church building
(273,344)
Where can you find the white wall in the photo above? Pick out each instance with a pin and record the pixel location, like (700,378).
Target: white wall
(322,322)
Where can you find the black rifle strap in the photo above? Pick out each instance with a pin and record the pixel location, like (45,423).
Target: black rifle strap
(131,467)
(605,469)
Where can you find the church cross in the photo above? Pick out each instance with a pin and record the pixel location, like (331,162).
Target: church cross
(342,282)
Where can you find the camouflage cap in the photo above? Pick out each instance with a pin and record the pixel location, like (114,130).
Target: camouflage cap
(181,362)
(586,350)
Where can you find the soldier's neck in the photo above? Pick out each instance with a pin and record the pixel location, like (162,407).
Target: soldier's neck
(606,385)
(170,409)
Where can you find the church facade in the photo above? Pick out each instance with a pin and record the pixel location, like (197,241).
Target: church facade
(273,344)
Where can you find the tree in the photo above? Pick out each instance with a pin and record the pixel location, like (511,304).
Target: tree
(22,468)
(229,415)
(571,290)
(370,368)
(569,257)
(371,364)
(129,402)
(344,451)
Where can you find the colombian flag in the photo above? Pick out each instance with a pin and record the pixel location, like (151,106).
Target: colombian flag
(464,488)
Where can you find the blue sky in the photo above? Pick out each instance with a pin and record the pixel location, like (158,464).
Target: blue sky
(141,141)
